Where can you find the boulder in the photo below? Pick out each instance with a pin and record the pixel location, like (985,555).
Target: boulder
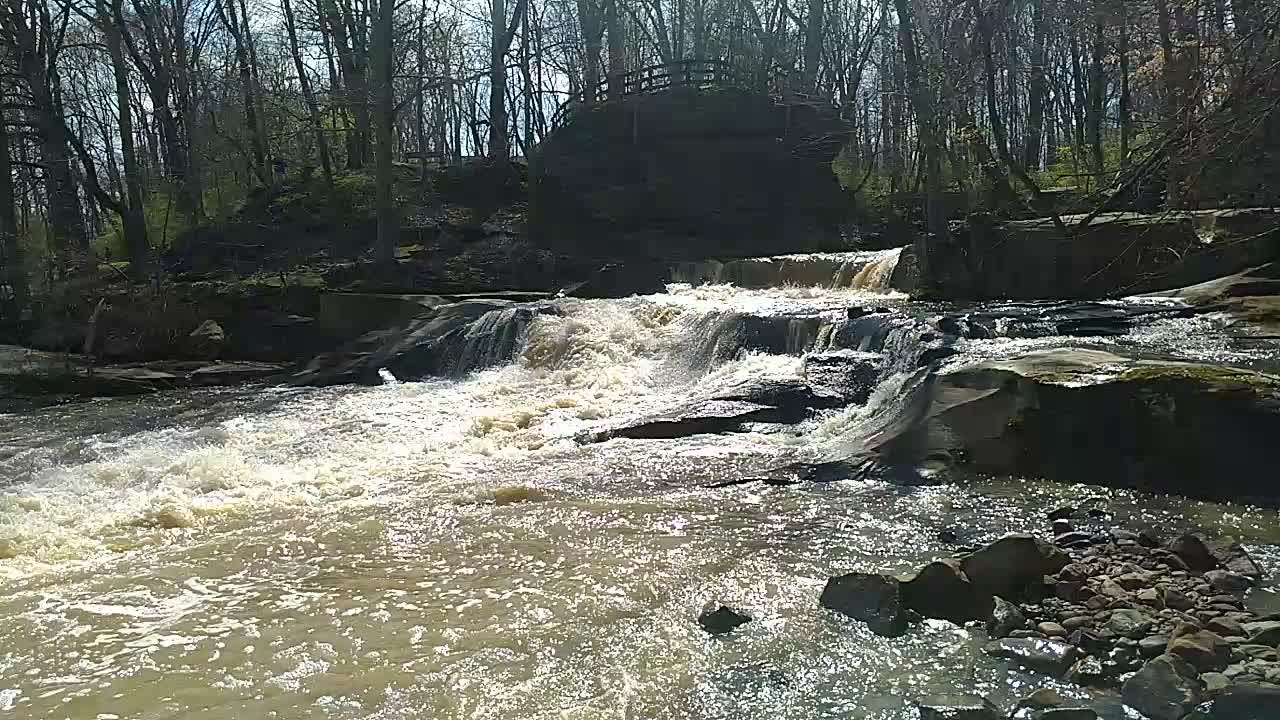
(958,707)
(207,340)
(1265,632)
(1194,551)
(1206,651)
(1166,688)
(850,374)
(1227,581)
(1012,565)
(1129,623)
(1245,701)
(873,599)
(1051,657)
(722,620)
(1005,618)
(941,590)
(1067,414)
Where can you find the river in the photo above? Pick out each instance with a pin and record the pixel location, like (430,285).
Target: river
(448,549)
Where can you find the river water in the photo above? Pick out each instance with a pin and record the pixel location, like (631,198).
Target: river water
(447,549)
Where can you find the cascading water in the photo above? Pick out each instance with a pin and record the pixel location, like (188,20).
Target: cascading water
(443,546)
(871,271)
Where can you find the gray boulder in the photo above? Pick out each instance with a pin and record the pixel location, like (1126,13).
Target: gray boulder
(873,599)
(1011,565)
(1167,688)
(942,590)
(207,340)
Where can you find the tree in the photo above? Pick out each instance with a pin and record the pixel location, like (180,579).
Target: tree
(384,75)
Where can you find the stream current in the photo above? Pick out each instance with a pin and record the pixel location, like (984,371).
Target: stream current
(446,548)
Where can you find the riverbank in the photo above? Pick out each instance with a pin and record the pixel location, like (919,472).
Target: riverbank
(1166,622)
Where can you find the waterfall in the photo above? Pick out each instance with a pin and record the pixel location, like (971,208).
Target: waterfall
(876,274)
(870,271)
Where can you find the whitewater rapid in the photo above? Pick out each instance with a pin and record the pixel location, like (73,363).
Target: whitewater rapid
(447,548)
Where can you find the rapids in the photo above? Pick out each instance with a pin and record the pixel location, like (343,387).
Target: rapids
(444,548)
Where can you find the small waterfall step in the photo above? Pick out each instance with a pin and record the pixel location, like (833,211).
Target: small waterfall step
(873,271)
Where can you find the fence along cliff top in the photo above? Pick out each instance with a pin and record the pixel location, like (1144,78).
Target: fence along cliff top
(694,72)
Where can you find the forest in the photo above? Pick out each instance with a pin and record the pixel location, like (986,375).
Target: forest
(129,122)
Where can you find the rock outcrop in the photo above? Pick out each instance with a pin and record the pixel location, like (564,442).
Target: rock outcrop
(1087,416)
(1116,254)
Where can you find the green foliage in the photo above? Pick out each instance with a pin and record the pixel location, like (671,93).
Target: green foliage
(1068,170)
(353,192)
(850,172)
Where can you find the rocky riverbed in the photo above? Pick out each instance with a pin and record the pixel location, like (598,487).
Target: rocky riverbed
(1164,622)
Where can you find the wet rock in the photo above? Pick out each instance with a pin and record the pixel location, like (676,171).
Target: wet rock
(1073,540)
(1005,618)
(941,590)
(1177,600)
(1258,652)
(1043,699)
(1051,657)
(1129,623)
(1193,551)
(873,599)
(1148,596)
(958,707)
(1241,564)
(1076,622)
(1011,565)
(948,536)
(1092,641)
(1062,526)
(1112,589)
(1075,713)
(1215,682)
(1263,632)
(1051,629)
(1206,651)
(1247,702)
(849,374)
(619,280)
(1225,627)
(1135,580)
(1227,581)
(1153,645)
(722,620)
(1166,688)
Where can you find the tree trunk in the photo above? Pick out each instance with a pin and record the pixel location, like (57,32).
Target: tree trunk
(257,143)
(591,31)
(1039,90)
(65,219)
(1125,99)
(383,70)
(926,120)
(499,140)
(617,43)
(812,46)
(1097,96)
(14,301)
(131,217)
(308,96)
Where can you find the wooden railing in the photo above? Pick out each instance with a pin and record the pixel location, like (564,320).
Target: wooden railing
(651,80)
